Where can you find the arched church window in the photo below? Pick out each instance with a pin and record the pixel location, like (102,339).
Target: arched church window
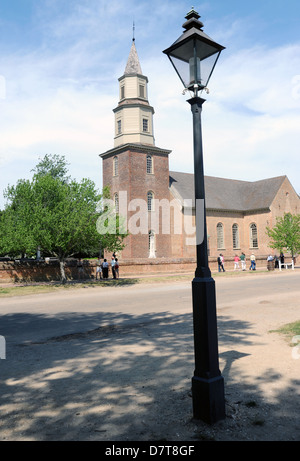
(150,201)
(116,200)
(253,236)
(235,236)
(149,164)
(220,236)
(116,166)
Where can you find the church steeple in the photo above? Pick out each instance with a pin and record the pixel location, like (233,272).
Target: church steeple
(133,64)
(134,115)
(135,165)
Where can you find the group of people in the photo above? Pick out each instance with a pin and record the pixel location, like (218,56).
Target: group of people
(237,260)
(102,269)
(242,259)
(276,259)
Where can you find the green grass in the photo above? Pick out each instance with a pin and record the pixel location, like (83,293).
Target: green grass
(8,292)
(289,330)
(25,290)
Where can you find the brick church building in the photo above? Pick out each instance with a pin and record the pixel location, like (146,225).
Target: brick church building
(158,204)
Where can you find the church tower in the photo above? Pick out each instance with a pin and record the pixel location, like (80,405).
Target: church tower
(136,171)
(134,115)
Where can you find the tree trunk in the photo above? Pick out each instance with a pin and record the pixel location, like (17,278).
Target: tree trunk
(62,271)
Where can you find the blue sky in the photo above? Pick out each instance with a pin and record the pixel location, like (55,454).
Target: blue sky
(59,67)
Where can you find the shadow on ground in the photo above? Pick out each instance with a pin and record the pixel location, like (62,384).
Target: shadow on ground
(130,381)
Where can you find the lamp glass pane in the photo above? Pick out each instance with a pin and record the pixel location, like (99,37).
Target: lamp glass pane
(183,70)
(183,60)
(207,66)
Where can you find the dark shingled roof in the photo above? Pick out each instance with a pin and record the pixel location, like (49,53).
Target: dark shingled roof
(227,194)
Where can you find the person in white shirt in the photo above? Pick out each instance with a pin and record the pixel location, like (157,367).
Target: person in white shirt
(113,262)
(99,270)
(253,263)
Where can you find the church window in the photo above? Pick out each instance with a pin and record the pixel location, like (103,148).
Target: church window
(122,92)
(149,164)
(119,126)
(116,166)
(235,236)
(220,236)
(142,91)
(145,125)
(150,201)
(253,236)
(116,200)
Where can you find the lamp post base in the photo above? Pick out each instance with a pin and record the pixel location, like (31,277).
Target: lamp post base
(207,382)
(208,399)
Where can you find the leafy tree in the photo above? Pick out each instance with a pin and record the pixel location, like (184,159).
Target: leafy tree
(53,164)
(55,213)
(286,234)
(16,237)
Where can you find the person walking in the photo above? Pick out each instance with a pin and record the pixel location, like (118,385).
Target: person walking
(117,268)
(236,262)
(253,263)
(105,269)
(113,263)
(221,263)
(99,269)
(281,262)
(243,261)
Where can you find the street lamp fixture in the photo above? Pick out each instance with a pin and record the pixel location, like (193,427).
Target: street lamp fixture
(194,56)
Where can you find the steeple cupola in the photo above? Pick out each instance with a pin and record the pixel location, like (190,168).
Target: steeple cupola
(134,115)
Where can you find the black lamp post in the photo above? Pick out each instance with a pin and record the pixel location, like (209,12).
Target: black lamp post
(194,56)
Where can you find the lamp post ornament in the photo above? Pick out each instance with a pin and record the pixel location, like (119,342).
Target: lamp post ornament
(194,56)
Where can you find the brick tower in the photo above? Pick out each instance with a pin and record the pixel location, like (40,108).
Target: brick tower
(137,171)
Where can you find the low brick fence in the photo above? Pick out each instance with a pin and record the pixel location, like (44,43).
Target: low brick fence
(37,271)
(34,271)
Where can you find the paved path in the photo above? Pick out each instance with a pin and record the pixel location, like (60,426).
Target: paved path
(42,316)
(121,363)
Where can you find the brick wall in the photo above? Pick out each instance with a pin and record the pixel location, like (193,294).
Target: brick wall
(133,178)
(37,271)
(40,271)
(228,219)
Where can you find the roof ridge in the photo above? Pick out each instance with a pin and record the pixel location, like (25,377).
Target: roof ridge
(237,180)
(229,194)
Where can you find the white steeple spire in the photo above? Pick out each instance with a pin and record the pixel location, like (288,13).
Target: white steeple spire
(133,66)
